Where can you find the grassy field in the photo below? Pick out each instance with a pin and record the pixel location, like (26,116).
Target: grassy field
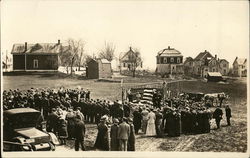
(227,139)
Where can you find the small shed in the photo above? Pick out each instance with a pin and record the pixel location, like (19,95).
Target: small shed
(214,77)
(98,68)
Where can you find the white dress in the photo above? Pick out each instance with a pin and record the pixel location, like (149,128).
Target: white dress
(151,125)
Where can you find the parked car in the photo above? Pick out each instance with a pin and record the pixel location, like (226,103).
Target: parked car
(20,132)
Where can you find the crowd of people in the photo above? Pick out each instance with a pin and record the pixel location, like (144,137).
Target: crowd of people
(66,111)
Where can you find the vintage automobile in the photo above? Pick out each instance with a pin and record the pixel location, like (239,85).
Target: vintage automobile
(20,132)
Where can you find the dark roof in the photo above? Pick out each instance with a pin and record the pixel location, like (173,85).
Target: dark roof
(169,52)
(38,48)
(20,110)
(203,55)
(223,60)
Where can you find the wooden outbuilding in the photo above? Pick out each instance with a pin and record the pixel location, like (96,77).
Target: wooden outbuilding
(98,68)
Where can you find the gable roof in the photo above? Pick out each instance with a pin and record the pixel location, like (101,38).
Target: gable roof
(221,60)
(241,61)
(104,61)
(44,48)
(169,52)
(203,55)
(125,57)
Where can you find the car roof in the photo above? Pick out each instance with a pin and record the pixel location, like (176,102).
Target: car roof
(20,110)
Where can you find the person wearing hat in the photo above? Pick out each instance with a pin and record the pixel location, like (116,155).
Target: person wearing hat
(228,114)
(79,133)
(62,130)
(144,114)
(102,139)
(70,117)
(114,135)
(131,138)
(158,123)
(137,120)
(217,115)
(150,131)
(123,134)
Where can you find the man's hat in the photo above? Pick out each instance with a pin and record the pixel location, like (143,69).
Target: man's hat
(116,120)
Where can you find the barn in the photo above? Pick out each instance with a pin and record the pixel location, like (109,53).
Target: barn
(214,77)
(98,68)
(36,57)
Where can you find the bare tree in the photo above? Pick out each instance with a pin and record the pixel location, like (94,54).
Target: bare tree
(107,52)
(71,55)
(136,61)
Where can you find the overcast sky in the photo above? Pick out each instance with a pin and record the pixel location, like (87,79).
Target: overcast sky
(222,28)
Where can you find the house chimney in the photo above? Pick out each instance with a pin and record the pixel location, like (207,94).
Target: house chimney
(130,48)
(168,47)
(58,42)
(215,56)
(205,51)
(25,46)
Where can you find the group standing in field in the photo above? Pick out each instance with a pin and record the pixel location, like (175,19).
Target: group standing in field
(66,111)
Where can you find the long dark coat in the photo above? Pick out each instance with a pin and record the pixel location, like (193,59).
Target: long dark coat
(137,120)
(102,141)
(131,139)
(114,138)
(62,131)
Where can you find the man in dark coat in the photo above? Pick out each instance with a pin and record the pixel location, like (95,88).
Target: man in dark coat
(217,115)
(158,123)
(114,136)
(79,133)
(52,122)
(137,120)
(228,114)
(131,138)
(102,140)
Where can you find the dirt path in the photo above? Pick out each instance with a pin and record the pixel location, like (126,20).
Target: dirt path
(186,143)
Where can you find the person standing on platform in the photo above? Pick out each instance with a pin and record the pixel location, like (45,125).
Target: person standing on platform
(228,115)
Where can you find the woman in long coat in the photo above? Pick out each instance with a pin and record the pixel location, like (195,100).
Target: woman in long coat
(102,140)
(151,131)
(62,131)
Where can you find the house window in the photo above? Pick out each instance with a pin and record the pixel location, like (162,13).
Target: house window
(178,60)
(225,71)
(161,61)
(213,70)
(224,65)
(165,60)
(35,63)
(171,60)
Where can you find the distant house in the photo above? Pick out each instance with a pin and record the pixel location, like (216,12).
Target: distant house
(214,77)
(98,68)
(205,62)
(127,61)
(188,66)
(240,67)
(36,57)
(169,61)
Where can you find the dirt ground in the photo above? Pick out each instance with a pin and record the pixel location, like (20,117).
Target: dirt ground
(227,139)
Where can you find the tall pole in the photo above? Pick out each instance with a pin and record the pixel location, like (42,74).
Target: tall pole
(6,61)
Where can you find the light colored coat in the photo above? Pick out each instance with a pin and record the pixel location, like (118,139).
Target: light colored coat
(123,131)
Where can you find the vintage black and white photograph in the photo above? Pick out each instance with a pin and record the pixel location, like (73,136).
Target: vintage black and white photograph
(83,77)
